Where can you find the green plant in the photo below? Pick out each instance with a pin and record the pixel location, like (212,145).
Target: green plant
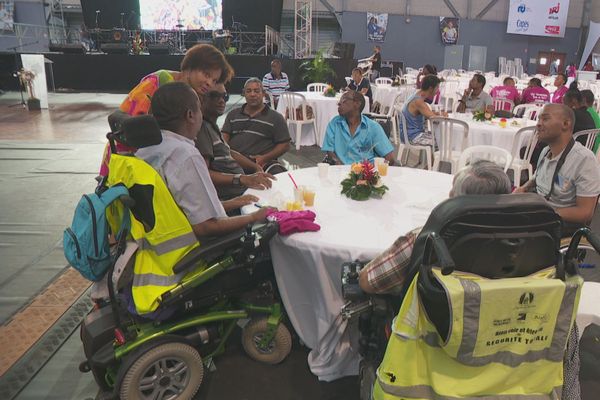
(317,69)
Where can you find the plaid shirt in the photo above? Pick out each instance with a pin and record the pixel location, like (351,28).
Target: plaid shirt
(386,273)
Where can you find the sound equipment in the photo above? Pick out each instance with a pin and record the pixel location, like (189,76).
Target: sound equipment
(159,48)
(115,48)
(343,50)
(67,48)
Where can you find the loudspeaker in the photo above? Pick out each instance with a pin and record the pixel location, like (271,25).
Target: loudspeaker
(343,50)
(67,48)
(115,48)
(159,48)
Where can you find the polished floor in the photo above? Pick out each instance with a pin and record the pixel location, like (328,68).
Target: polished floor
(47,160)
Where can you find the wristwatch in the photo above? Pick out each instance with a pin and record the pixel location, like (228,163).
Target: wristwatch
(236,180)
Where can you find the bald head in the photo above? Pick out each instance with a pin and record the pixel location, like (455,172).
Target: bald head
(555,123)
(563,111)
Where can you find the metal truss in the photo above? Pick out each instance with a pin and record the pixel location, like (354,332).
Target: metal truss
(302,28)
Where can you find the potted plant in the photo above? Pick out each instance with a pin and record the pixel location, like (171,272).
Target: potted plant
(26,77)
(317,69)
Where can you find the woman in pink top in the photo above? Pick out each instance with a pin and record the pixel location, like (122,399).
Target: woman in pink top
(535,93)
(561,89)
(507,91)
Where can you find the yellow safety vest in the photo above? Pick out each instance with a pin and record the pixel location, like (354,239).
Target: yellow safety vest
(160,246)
(506,340)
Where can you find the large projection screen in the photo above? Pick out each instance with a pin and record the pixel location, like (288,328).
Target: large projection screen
(186,14)
(538,17)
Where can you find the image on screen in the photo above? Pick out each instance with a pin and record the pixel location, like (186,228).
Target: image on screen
(191,14)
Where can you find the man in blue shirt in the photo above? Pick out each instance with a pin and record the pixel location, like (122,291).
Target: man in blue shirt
(352,137)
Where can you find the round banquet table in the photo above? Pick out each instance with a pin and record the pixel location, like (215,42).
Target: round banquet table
(308,265)
(490,133)
(324,109)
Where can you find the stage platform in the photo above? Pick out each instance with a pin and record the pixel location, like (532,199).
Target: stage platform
(121,72)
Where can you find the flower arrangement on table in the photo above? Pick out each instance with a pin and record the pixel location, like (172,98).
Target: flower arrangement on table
(26,77)
(482,116)
(363,182)
(329,92)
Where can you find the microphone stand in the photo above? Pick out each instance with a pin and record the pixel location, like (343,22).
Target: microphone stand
(97,32)
(17,70)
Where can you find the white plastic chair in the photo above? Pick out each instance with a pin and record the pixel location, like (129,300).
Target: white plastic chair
(451,135)
(527,111)
(590,137)
(383,81)
(500,104)
(293,102)
(406,145)
(494,154)
(524,138)
(388,113)
(316,87)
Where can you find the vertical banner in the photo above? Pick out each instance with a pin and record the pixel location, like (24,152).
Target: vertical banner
(7,15)
(538,18)
(449,30)
(376,26)
(35,64)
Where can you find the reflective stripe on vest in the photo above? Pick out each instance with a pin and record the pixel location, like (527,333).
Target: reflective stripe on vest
(162,246)
(419,364)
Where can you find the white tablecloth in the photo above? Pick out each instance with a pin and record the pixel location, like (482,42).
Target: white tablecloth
(324,108)
(589,306)
(308,265)
(490,133)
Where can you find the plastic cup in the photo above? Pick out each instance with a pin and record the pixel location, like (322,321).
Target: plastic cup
(309,196)
(377,161)
(383,168)
(323,170)
(299,194)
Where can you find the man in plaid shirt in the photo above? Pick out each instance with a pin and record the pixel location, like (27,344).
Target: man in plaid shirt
(388,272)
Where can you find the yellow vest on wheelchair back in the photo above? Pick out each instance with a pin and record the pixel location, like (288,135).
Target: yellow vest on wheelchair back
(162,245)
(506,339)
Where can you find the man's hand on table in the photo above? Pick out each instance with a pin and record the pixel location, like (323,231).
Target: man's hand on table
(241,201)
(259,180)
(261,214)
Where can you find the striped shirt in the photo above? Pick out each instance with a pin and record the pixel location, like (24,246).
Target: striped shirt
(252,136)
(275,86)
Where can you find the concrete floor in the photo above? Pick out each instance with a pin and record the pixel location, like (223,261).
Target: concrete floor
(47,160)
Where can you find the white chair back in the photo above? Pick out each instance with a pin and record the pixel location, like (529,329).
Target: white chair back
(525,138)
(383,81)
(494,154)
(501,104)
(316,87)
(590,137)
(292,102)
(527,111)
(405,144)
(451,135)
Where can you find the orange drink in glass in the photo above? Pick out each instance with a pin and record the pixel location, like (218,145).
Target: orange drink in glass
(309,196)
(382,168)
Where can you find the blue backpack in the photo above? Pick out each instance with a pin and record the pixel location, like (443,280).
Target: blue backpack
(85,243)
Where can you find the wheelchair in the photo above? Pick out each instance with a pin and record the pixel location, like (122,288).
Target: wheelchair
(493,236)
(231,283)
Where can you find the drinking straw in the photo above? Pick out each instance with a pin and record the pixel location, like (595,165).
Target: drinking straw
(293,181)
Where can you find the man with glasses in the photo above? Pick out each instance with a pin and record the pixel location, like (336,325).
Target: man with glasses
(352,137)
(226,167)
(257,131)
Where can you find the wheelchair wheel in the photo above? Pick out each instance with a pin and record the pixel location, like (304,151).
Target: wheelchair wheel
(276,351)
(171,370)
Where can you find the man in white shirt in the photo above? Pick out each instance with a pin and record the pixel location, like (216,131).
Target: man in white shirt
(176,107)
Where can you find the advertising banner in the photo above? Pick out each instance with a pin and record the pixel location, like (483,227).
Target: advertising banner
(538,17)
(449,30)
(376,27)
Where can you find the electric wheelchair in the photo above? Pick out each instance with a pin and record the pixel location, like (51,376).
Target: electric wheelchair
(492,236)
(230,282)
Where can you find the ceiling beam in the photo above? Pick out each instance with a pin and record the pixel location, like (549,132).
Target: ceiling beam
(486,9)
(332,10)
(452,8)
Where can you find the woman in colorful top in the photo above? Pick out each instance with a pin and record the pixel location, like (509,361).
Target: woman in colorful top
(561,88)
(202,67)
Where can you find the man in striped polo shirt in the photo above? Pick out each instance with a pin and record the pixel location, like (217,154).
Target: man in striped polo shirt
(276,81)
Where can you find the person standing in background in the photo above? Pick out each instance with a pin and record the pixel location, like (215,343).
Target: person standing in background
(376,60)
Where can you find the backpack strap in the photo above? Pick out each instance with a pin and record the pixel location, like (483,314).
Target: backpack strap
(108,197)
(559,165)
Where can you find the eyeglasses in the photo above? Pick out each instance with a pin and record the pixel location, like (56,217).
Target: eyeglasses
(218,95)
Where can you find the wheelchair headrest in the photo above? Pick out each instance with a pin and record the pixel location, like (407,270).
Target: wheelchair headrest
(493,235)
(138,132)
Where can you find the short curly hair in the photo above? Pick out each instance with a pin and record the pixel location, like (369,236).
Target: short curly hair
(207,57)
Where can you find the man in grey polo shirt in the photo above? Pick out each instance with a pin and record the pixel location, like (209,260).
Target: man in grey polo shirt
(575,190)
(255,130)
(176,107)
(474,98)
(224,164)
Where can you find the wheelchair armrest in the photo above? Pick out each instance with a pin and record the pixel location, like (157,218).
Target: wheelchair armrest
(209,250)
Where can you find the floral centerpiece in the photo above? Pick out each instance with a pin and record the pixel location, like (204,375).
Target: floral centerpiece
(363,182)
(329,92)
(482,116)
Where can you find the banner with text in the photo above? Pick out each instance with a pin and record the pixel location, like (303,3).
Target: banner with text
(538,17)
(376,26)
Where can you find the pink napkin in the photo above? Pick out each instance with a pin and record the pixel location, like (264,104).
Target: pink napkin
(294,221)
